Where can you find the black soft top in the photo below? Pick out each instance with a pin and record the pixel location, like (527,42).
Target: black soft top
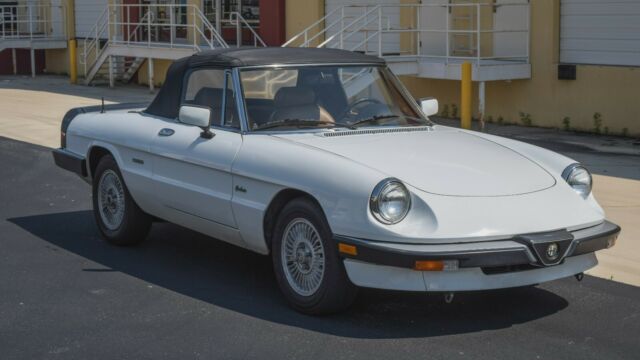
(167,102)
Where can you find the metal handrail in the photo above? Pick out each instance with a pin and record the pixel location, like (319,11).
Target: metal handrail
(96,29)
(346,27)
(213,39)
(235,18)
(113,29)
(93,42)
(38,19)
(148,16)
(305,32)
(212,29)
(356,30)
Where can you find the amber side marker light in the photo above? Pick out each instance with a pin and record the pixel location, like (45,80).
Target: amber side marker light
(347,249)
(429,265)
(436,265)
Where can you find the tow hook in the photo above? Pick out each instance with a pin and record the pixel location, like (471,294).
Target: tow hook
(448,297)
(580,276)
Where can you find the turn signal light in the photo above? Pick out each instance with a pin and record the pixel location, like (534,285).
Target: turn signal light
(436,265)
(429,265)
(347,249)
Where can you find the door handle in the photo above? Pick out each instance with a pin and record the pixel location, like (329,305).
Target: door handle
(166,132)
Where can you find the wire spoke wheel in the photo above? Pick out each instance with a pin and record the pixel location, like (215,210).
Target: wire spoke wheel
(303,257)
(111,200)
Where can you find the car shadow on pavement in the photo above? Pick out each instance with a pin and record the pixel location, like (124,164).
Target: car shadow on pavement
(225,276)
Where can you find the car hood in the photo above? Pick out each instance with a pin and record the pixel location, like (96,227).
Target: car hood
(443,161)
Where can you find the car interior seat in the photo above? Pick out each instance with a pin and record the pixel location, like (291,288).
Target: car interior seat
(298,103)
(212,98)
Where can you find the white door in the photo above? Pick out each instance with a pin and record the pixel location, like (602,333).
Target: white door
(57,19)
(511,18)
(87,13)
(461,21)
(192,174)
(390,20)
(434,19)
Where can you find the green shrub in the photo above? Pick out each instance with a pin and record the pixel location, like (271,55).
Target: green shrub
(454,111)
(597,123)
(525,119)
(566,123)
(445,111)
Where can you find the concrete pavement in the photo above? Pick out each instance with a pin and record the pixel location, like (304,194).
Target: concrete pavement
(67,294)
(33,108)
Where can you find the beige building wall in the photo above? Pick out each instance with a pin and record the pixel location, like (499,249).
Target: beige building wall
(607,90)
(300,14)
(610,91)
(57,60)
(160,67)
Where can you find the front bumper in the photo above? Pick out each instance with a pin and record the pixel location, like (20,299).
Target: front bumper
(517,261)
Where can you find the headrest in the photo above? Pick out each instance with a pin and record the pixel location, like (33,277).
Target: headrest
(212,97)
(294,96)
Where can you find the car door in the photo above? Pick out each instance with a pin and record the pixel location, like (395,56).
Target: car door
(192,174)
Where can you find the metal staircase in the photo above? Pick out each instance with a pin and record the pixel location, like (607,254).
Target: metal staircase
(427,39)
(122,70)
(120,42)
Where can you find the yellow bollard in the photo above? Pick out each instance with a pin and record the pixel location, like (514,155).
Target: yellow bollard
(73,61)
(465,98)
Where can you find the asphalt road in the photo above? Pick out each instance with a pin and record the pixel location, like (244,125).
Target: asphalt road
(66,294)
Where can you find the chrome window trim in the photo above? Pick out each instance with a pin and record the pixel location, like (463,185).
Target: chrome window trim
(384,68)
(407,95)
(241,106)
(277,66)
(226,71)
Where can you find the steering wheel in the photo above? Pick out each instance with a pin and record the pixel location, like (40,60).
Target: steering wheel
(358,103)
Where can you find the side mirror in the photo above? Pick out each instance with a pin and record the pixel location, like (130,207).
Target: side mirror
(429,106)
(197,116)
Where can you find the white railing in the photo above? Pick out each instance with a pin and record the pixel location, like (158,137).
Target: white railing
(162,25)
(165,26)
(240,23)
(429,32)
(35,21)
(92,43)
(133,34)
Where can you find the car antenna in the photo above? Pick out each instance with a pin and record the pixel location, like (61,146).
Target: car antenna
(102,107)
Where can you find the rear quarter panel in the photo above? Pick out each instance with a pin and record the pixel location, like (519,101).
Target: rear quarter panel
(127,136)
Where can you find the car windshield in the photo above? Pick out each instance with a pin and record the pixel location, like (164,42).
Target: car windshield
(323,97)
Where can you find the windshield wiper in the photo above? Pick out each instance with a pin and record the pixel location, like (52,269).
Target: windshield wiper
(301,123)
(386,117)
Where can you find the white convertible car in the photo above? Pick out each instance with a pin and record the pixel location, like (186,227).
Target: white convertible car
(322,159)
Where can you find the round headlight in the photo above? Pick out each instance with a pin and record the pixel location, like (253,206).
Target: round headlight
(579,178)
(390,201)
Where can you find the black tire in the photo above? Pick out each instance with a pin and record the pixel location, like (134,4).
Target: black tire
(135,223)
(335,292)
